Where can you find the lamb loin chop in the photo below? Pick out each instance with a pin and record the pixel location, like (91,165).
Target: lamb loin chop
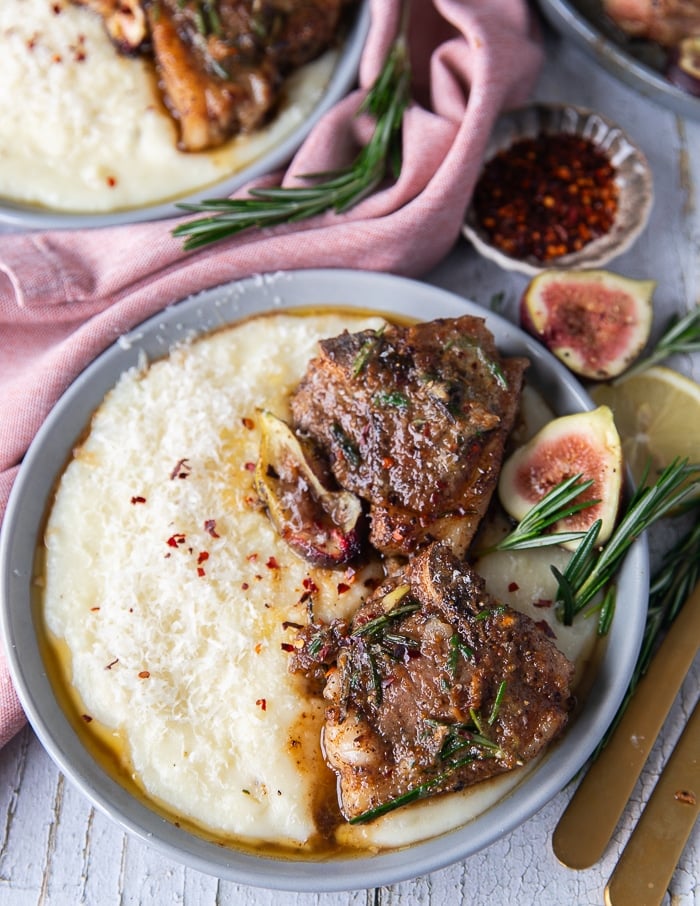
(221,63)
(436,686)
(413,420)
(664,21)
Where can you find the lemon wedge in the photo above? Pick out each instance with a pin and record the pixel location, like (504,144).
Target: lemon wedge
(657,414)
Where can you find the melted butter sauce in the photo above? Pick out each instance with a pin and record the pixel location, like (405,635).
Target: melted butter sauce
(333,838)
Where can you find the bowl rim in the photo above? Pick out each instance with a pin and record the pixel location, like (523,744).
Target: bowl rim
(344,75)
(562,117)
(23,522)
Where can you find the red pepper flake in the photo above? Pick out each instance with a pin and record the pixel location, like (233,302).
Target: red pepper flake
(388,462)
(543,602)
(182,469)
(310,585)
(111,181)
(94,609)
(272,563)
(249,466)
(202,556)
(201,572)
(144,674)
(138,499)
(285,646)
(343,587)
(513,586)
(245,586)
(177,539)
(261,703)
(251,557)
(210,527)
(112,663)
(87,718)
(258,647)
(546,629)
(547,196)
(248,423)
(57,58)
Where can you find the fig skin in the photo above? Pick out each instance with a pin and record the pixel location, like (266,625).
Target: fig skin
(585,443)
(594,321)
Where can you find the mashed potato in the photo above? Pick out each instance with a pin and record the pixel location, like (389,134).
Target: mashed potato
(172,603)
(83,128)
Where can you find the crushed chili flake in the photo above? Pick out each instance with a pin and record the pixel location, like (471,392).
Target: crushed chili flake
(87,718)
(248,423)
(202,556)
(258,647)
(309,584)
(285,646)
(249,466)
(546,629)
(272,563)
(94,609)
(543,602)
(546,196)
(251,557)
(245,586)
(175,540)
(210,527)
(138,499)
(343,587)
(182,469)
(144,674)
(513,586)
(111,181)
(261,703)
(201,572)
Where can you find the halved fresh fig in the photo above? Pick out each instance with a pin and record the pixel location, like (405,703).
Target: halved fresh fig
(321,525)
(596,322)
(684,65)
(586,443)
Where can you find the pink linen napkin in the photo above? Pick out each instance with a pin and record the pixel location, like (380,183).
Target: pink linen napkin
(66,296)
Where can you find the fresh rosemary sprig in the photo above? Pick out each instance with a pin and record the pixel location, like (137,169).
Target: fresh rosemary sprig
(671,586)
(555,505)
(336,190)
(591,568)
(681,335)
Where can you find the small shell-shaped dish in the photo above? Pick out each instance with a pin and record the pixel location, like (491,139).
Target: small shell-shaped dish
(632,177)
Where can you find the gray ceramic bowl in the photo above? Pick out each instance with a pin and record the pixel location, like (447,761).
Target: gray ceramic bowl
(341,81)
(632,176)
(23,526)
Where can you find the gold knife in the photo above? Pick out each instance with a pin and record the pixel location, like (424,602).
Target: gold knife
(585,828)
(647,863)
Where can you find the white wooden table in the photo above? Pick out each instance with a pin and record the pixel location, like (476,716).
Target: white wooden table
(55,848)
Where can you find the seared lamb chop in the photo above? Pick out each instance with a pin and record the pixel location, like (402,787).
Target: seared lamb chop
(221,63)
(413,420)
(664,21)
(437,687)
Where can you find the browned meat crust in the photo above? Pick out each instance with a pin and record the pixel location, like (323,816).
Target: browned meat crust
(664,21)
(414,420)
(221,63)
(445,689)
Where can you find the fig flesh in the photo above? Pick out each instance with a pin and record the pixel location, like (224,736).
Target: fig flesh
(586,443)
(595,321)
(321,525)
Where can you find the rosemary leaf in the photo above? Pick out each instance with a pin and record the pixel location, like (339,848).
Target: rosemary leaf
(670,588)
(591,569)
(556,505)
(337,190)
(681,335)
